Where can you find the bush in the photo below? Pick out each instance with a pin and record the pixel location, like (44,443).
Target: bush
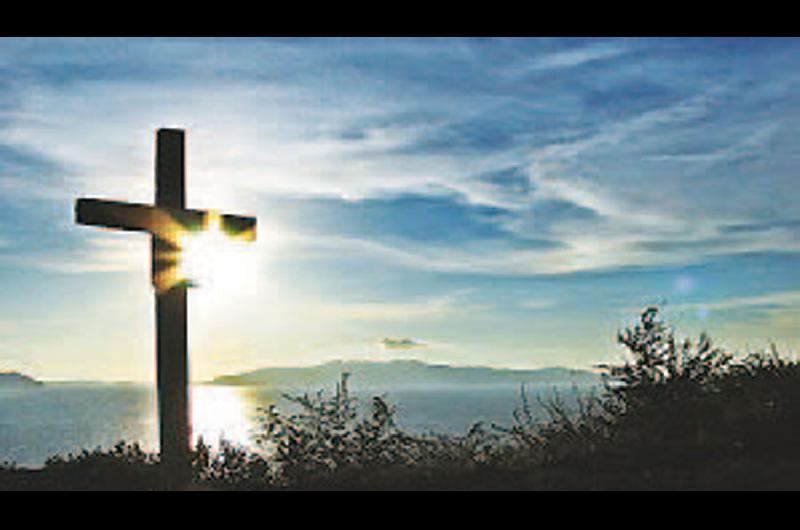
(675,414)
(328,437)
(231,466)
(125,466)
(696,393)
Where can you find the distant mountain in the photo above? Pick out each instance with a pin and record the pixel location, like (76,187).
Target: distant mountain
(17,379)
(403,373)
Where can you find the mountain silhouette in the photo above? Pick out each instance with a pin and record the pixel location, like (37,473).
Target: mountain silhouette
(403,373)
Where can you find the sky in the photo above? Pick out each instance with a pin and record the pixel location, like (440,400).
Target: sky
(500,202)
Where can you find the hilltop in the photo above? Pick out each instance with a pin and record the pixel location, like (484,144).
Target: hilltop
(17,379)
(403,373)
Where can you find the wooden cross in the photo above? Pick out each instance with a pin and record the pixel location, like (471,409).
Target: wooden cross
(167,221)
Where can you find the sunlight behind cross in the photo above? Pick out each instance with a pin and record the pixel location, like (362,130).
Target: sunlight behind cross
(215,259)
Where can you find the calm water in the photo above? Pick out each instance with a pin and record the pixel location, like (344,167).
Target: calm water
(59,418)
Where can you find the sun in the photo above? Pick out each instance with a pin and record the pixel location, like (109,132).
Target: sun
(212,260)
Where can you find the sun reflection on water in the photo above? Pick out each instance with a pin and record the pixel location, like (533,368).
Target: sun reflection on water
(220,412)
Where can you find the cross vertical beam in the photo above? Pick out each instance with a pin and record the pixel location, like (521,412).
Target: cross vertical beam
(171,321)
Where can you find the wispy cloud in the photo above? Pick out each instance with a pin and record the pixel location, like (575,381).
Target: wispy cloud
(102,253)
(574,57)
(537,304)
(427,308)
(767,302)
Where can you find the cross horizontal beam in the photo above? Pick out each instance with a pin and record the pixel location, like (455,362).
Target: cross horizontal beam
(158,220)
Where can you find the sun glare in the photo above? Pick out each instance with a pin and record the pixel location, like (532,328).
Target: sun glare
(212,260)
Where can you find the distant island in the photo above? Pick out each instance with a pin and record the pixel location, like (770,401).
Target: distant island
(17,379)
(403,373)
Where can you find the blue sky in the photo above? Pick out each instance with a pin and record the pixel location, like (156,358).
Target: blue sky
(509,202)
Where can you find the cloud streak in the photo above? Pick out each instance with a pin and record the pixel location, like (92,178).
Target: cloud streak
(437,307)
(767,302)
(389,343)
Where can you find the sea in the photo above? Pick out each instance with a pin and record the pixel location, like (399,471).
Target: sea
(37,422)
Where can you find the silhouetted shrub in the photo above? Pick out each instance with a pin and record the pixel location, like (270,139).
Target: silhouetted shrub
(688,414)
(231,466)
(125,466)
(566,431)
(675,414)
(330,436)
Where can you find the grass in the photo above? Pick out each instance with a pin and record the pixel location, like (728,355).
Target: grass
(675,415)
